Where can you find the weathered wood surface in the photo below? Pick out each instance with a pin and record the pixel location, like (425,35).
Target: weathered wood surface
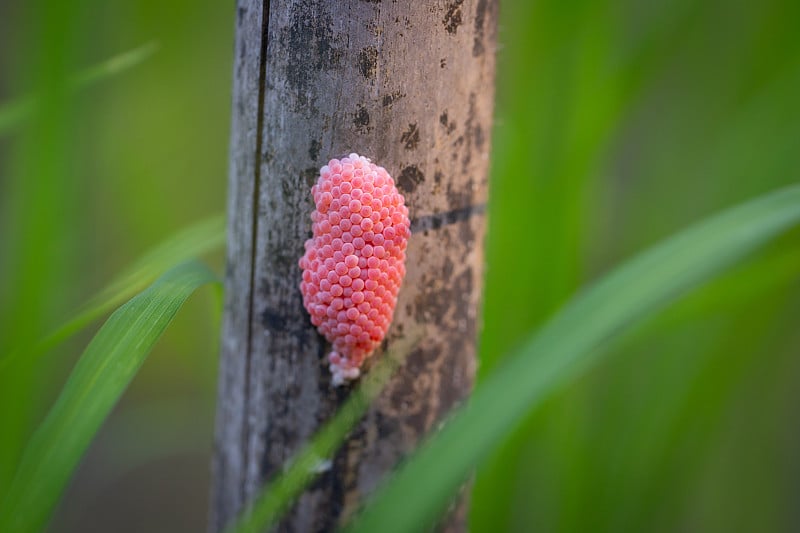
(410,85)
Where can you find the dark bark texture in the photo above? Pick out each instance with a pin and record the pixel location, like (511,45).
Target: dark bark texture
(409,84)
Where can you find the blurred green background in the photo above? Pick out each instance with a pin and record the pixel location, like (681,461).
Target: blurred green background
(618,123)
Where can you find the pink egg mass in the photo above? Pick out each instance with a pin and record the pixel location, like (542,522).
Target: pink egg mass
(355,261)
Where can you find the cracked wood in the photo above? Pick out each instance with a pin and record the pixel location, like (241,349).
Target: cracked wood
(410,85)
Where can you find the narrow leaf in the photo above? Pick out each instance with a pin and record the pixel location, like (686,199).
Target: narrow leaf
(191,242)
(567,344)
(14,112)
(101,375)
(279,494)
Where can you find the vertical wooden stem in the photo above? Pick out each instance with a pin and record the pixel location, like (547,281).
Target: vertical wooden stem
(410,85)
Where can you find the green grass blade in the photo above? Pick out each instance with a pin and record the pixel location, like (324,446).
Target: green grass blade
(114,65)
(200,238)
(101,375)
(14,112)
(571,340)
(279,494)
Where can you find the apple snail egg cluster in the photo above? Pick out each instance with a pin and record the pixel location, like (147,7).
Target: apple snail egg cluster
(354,262)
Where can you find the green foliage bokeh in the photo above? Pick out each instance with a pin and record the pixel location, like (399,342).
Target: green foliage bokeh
(618,123)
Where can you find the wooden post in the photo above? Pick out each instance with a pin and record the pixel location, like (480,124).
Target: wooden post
(410,85)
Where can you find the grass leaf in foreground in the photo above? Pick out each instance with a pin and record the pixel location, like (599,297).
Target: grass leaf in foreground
(200,238)
(417,494)
(14,112)
(101,375)
(279,494)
